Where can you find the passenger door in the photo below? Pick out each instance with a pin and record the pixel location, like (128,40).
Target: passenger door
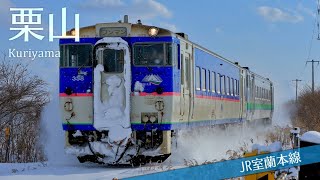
(185,81)
(242,95)
(112,80)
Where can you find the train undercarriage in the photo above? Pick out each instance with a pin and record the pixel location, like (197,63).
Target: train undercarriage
(143,147)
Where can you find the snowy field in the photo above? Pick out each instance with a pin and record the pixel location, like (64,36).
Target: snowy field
(196,147)
(193,148)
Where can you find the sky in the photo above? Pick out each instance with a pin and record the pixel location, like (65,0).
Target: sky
(274,38)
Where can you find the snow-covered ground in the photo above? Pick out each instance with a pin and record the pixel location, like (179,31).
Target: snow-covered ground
(47,171)
(195,147)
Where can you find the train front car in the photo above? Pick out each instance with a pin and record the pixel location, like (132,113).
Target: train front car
(116,93)
(127,89)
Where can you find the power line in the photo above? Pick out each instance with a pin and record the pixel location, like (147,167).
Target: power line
(312,36)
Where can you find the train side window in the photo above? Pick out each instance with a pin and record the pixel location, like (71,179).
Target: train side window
(236,87)
(223,86)
(197,78)
(267,94)
(232,87)
(218,84)
(209,81)
(259,92)
(203,79)
(213,81)
(228,85)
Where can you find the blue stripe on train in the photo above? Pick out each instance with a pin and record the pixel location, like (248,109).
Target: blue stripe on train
(163,127)
(69,77)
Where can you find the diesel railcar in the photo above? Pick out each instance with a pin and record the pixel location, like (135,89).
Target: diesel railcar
(126,88)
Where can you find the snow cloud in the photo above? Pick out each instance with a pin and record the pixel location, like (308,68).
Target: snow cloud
(277,15)
(136,9)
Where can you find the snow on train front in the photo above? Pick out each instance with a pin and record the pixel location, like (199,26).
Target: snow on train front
(109,138)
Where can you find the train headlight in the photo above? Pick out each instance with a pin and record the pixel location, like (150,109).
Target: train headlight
(145,119)
(153,119)
(153,31)
(73,32)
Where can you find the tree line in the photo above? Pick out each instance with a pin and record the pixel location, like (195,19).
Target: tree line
(22,99)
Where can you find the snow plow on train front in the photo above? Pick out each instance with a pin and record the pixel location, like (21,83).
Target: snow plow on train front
(127,89)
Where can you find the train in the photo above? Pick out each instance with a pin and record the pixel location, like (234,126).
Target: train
(126,89)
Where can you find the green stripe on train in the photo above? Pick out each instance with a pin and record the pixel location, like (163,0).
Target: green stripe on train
(255,106)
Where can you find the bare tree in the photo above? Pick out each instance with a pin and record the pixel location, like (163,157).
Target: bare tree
(306,113)
(22,98)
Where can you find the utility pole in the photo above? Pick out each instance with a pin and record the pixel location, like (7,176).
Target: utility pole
(297,80)
(313,61)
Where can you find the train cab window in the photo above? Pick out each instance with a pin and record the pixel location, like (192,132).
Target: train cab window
(218,84)
(170,57)
(197,78)
(113,60)
(76,55)
(153,54)
(203,79)
(213,81)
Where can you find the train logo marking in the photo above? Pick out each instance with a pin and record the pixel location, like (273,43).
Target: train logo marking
(153,79)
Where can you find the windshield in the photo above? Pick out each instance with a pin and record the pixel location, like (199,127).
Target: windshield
(75,55)
(113,60)
(155,54)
